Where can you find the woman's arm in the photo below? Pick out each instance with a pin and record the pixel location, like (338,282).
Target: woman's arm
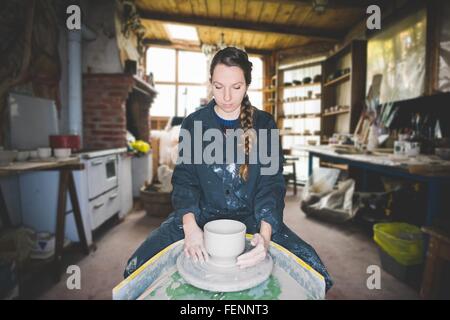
(266,232)
(271,189)
(186,186)
(189,220)
(185,201)
(269,205)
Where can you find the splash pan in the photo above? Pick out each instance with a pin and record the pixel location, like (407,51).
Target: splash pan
(214,278)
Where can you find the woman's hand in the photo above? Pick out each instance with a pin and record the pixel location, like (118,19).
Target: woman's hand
(193,239)
(256,255)
(261,243)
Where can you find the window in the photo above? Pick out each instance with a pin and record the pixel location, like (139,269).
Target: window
(398,53)
(162,63)
(255,93)
(192,67)
(189,98)
(180,90)
(164,104)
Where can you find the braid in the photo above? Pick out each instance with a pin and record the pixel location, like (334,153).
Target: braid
(246,117)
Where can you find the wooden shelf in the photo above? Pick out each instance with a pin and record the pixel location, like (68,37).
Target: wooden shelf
(144,86)
(335,113)
(300,134)
(302,115)
(309,99)
(302,85)
(267,90)
(336,81)
(342,167)
(352,56)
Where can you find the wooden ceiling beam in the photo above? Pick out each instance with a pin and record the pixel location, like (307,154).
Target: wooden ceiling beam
(334,3)
(263,27)
(196,47)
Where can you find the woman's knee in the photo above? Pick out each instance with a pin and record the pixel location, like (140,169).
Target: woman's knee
(168,233)
(292,242)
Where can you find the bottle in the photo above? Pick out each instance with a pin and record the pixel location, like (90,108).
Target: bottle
(372,142)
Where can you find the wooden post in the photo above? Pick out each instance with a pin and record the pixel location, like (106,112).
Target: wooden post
(434,16)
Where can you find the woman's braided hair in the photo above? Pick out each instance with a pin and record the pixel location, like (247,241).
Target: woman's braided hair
(234,57)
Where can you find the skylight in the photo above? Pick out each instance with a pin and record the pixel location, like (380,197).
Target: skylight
(180,32)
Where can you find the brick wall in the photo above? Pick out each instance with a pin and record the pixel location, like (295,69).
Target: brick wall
(104,110)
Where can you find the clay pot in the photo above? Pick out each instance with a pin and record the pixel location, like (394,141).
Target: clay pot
(307,80)
(224,241)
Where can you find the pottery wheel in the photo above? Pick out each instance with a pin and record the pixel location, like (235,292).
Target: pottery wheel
(223,279)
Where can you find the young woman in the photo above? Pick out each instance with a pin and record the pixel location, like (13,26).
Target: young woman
(205,192)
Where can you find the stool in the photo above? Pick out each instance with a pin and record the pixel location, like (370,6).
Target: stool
(438,255)
(289,161)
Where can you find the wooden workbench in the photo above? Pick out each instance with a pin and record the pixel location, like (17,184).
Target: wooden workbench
(66,184)
(430,170)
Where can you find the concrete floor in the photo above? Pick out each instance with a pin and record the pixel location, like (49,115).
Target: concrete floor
(346,250)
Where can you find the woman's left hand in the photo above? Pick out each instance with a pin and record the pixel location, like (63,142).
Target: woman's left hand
(256,255)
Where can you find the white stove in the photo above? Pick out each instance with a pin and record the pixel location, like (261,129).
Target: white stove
(103,189)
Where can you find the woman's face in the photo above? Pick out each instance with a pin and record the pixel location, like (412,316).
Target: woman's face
(229,87)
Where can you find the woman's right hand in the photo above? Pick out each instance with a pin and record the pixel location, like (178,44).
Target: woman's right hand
(193,239)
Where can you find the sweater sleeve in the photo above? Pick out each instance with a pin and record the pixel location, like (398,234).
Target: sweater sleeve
(186,187)
(271,189)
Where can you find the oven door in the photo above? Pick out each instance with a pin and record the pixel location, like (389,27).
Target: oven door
(102,175)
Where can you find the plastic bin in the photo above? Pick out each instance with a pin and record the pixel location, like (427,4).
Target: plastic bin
(401,251)
(401,241)
(410,275)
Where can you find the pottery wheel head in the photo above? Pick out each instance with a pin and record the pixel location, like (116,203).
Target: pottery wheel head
(210,277)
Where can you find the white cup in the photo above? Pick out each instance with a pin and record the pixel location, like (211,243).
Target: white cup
(224,241)
(399,148)
(62,153)
(412,149)
(23,155)
(44,153)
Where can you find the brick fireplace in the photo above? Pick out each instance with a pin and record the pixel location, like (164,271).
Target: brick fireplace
(113,104)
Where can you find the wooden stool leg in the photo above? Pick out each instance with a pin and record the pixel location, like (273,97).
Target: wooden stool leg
(295,178)
(60,220)
(4,216)
(77,213)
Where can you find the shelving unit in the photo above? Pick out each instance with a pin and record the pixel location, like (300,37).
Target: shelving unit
(299,111)
(347,89)
(270,96)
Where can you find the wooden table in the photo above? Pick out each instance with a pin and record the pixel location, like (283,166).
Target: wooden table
(436,176)
(66,184)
